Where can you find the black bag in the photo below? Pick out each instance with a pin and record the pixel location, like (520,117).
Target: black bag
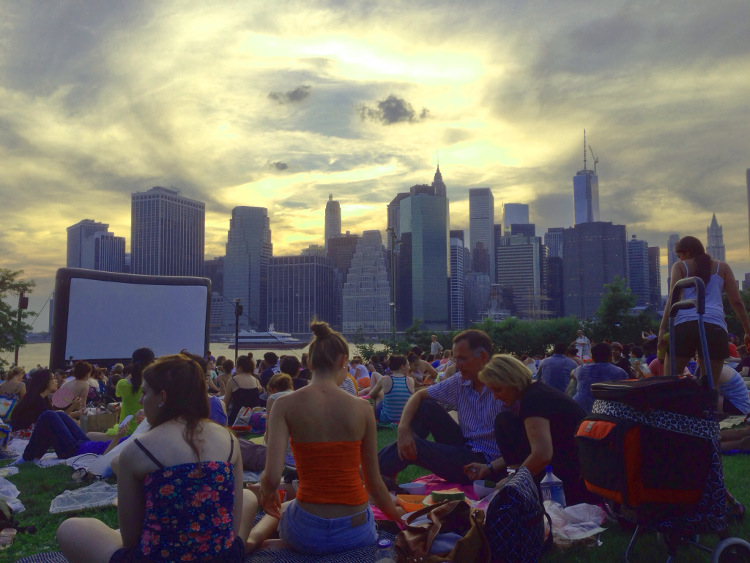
(515,521)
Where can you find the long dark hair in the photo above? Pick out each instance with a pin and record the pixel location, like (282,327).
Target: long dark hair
(694,247)
(39,382)
(142,358)
(184,382)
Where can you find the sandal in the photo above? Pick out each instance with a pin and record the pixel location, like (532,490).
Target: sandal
(7,537)
(735,510)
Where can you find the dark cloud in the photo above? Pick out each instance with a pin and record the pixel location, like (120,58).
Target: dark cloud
(392,110)
(278,165)
(296,95)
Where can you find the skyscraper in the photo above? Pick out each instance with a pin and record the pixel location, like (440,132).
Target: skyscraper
(586,192)
(639,273)
(715,246)
(76,235)
(595,253)
(438,185)
(671,257)
(394,220)
(515,214)
(333,220)
(482,229)
(458,320)
(654,277)
(167,233)
(214,270)
(425,216)
(299,290)
(553,240)
(103,251)
(340,251)
(249,252)
(519,266)
(367,290)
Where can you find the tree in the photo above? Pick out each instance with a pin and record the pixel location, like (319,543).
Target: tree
(12,333)
(733,324)
(613,318)
(514,336)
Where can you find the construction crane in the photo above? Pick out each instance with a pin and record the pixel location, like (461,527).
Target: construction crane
(596,158)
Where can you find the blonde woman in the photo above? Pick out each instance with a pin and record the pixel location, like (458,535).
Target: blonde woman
(540,434)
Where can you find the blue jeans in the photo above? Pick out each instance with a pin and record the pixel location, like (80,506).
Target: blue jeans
(445,457)
(54,429)
(312,534)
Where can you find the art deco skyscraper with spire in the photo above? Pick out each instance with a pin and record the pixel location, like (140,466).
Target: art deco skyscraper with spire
(715,246)
(586,192)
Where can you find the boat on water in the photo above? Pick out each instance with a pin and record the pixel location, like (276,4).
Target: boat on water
(270,340)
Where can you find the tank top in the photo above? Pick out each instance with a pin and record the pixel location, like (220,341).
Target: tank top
(243,397)
(394,400)
(714,307)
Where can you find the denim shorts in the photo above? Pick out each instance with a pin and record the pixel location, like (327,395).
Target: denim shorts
(308,533)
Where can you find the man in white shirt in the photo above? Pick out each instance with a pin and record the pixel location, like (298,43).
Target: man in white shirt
(435,346)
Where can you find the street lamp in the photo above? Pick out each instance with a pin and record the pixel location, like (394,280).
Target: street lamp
(237,313)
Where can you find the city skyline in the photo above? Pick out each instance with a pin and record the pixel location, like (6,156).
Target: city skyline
(278,106)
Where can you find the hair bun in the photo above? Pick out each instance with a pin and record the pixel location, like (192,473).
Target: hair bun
(320,329)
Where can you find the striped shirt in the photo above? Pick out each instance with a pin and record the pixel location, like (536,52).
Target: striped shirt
(476,412)
(349,386)
(394,400)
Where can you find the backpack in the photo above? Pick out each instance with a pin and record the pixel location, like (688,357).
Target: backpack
(515,521)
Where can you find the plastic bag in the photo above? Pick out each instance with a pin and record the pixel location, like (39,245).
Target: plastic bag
(574,523)
(98,494)
(9,492)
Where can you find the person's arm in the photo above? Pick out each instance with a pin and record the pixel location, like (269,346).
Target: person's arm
(269,404)
(540,440)
(271,476)
(407,448)
(22,391)
(678,272)
(237,470)
(735,300)
(121,433)
(211,385)
(371,472)
(228,394)
(429,371)
(131,505)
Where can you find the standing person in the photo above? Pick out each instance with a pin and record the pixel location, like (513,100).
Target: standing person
(601,370)
(130,389)
(719,278)
(179,486)
(243,390)
(455,444)
(333,437)
(555,370)
(435,347)
(583,345)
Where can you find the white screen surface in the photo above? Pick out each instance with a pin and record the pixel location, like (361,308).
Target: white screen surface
(109,319)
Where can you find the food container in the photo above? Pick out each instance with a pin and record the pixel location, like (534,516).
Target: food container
(481,490)
(410,503)
(414,488)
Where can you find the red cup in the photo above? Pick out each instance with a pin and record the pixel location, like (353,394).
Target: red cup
(282,494)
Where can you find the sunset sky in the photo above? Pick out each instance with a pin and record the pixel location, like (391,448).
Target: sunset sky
(278,104)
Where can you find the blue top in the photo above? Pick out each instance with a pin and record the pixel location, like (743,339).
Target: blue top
(587,374)
(735,391)
(714,307)
(395,399)
(555,371)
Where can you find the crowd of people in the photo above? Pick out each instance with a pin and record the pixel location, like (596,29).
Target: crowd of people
(463,414)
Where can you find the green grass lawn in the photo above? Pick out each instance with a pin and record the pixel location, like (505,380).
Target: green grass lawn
(39,486)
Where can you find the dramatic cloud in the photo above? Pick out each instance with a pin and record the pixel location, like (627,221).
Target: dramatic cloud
(296,95)
(392,110)
(103,100)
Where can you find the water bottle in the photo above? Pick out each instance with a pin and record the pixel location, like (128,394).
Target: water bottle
(552,488)
(384,554)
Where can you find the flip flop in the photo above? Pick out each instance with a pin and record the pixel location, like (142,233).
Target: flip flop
(7,537)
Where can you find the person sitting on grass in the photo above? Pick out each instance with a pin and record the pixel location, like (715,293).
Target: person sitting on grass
(129,389)
(243,390)
(37,400)
(391,392)
(333,435)
(13,387)
(179,485)
(541,434)
(56,430)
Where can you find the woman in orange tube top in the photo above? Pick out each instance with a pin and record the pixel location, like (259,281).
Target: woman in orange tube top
(332,435)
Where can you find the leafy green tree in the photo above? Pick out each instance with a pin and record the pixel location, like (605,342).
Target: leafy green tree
(614,320)
(12,333)
(733,324)
(514,336)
